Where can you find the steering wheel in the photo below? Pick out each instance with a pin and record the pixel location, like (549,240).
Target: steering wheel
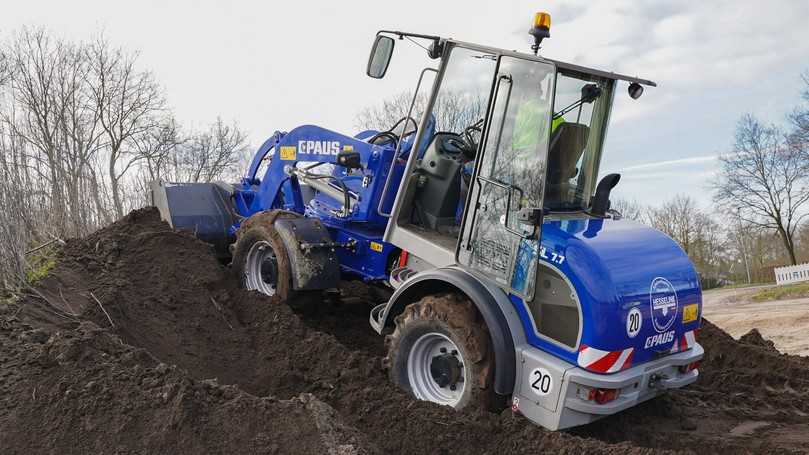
(384,137)
(469,130)
(465,143)
(457,145)
(407,120)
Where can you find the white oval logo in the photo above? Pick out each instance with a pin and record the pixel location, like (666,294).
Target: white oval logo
(663,302)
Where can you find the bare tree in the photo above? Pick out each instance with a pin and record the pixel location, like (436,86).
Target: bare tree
(4,68)
(766,180)
(213,153)
(82,130)
(452,111)
(129,103)
(800,116)
(699,235)
(34,58)
(803,243)
(15,223)
(680,219)
(79,134)
(631,210)
(158,147)
(53,113)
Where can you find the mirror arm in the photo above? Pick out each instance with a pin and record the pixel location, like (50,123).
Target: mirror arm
(412,35)
(434,52)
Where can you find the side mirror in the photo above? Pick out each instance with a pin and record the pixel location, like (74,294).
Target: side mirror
(349,159)
(380,56)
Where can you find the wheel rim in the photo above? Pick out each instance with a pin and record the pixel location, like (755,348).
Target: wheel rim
(261,269)
(436,370)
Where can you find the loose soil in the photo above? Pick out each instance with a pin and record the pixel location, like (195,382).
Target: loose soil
(139,341)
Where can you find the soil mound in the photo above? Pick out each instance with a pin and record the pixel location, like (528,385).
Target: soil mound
(84,391)
(754,337)
(250,375)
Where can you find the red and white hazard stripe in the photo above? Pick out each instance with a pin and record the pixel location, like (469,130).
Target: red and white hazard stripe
(686,342)
(600,361)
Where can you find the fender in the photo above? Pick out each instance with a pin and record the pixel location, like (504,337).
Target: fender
(311,254)
(494,305)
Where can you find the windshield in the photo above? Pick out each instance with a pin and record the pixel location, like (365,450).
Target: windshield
(465,88)
(581,110)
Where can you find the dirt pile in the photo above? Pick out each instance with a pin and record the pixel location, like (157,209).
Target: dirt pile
(84,391)
(87,360)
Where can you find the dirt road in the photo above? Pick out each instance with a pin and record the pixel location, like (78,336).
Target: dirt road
(785,322)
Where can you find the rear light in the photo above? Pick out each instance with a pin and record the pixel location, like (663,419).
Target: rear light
(600,396)
(403,258)
(690,367)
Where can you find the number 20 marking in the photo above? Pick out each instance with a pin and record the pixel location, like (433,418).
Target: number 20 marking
(541,381)
(634,320)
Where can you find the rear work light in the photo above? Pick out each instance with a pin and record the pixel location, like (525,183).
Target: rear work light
(690,367)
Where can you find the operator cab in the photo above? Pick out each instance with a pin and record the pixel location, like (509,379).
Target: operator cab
(510,139)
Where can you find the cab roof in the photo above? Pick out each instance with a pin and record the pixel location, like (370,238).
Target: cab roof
(524,55)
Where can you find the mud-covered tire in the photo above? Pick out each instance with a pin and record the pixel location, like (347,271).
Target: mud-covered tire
(259,230)
(440,317)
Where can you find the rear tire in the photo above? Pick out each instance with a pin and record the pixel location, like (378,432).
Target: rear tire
(440,351)
(260,258)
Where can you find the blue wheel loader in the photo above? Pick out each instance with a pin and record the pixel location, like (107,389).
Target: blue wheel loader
(510,278)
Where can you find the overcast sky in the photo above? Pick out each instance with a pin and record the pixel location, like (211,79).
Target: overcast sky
(275,65)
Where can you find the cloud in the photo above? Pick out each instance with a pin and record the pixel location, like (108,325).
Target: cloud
(653,182)
(685,42)
(672,163)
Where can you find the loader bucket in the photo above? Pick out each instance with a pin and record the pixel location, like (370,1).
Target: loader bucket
(206,209)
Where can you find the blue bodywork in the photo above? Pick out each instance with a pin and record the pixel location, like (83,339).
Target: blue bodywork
(269,186)
(613,265)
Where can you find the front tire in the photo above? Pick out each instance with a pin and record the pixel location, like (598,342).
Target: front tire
(440,352)
(260,258)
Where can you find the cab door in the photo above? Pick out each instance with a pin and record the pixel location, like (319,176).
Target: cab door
(509,176)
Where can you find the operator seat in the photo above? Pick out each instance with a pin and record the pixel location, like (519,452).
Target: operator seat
(567,146)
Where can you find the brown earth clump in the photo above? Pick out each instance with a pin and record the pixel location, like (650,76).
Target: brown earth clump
(140,341)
